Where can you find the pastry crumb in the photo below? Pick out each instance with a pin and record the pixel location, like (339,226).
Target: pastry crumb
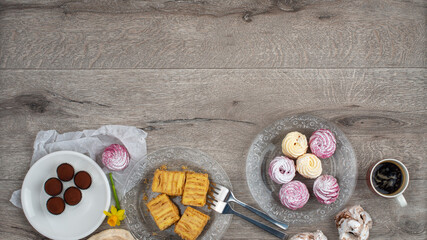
(184,167)
(144,197)
(163,167)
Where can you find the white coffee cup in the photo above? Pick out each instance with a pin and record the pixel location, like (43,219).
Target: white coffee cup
(398,195)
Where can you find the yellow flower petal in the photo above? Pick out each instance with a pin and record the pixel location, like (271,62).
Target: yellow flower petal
(113,210)
(120,213)
(114,217)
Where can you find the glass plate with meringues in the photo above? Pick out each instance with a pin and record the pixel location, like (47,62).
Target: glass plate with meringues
(267,145)
(139,192)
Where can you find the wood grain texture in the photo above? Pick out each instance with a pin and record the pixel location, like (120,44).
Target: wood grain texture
(206,34)
(383,118)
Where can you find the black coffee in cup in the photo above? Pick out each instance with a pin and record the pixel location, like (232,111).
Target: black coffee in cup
(387,177)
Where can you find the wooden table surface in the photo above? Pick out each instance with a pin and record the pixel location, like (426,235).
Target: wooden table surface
(210,75)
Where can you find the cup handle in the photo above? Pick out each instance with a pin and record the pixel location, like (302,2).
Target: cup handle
(401,200)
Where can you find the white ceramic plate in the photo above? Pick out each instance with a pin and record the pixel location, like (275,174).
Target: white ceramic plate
(76,221)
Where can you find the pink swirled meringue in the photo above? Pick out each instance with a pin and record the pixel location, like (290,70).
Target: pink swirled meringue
(323,143)
(294,195)
(281,170)
(326,189)
(115,157)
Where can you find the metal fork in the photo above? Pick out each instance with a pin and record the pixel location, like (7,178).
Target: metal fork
(225,208)
(221,193)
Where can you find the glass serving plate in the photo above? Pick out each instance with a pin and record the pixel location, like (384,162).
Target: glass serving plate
(138,188)
(267,145)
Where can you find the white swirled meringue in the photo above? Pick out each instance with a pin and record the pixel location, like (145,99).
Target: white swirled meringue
(323,143)
(353,223)
(309,166)
(294,195)
(326,189)
(294,144)
(318,235)
(281,170)
(115,157)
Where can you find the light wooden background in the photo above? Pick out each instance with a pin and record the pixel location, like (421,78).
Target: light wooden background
(211,74)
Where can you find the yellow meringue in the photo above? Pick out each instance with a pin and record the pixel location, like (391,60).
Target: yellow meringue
(309,166)
(294,144)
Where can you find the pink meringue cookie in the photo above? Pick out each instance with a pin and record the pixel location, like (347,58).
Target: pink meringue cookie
(281,170)
(326,189)
(294,195)
(115,157)
(323,143)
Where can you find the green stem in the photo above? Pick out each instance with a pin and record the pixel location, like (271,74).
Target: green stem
(114,191)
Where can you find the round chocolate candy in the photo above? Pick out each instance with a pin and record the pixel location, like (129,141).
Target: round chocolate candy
(83,180)
(65,172)
(53,186)
(72,196)
(55,205)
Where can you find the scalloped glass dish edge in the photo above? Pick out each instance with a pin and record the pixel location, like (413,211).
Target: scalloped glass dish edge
(130,201)
(261,146)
